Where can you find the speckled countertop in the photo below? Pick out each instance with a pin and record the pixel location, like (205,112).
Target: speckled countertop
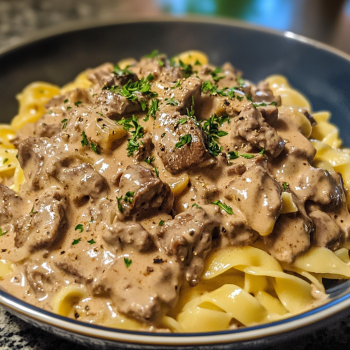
(18,17)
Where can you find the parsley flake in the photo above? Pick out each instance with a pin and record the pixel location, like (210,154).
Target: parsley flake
(149,160)
(2,233)
(262,152)
(91,241)
(183,140)
(156,171)
(95,147)
(153,54)
(120,207)
(66,100)
(172,102)
(181,121)
(211,129)
(84,141)
(129,197)
(64,123)
(152,110)
(223,206)
(215,74)
(178,83)
(78,103)
(197,63)
(285,186)
(137,133)
(127,262)
(196,205)
(79,227)
(161,223)
(68,108)
(76,241)
(5,160)
(32,211)
(186,68)
(247,156)
(118,71)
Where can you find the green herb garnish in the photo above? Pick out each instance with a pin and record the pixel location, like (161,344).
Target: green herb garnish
(156,171)
(262,152)
(211,129)
(120,207)
(178,83)
(152,110)
(285,186)
(127,262)
(76,241)
(223,206)
(215,74)
(2,233)
(78,103)
(149,160)
(137,133)
(66,100)
(84,141)
(196,205)
(153,54)
(183,140)
(172,102)
(247,156)
(79,227)
(118,71)
(186,68)
(91,241)
(32,211)
(95,147)
(5,160)
(68,108)
(64,123)
(129,197)
(161,223)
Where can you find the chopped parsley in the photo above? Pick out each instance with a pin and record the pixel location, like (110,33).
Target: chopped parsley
(235,155)
(223,206)
(197,63)
(143,105)
(91,241)
(129,197)
(130,89)
(161,223)
(32,211)
(186,68)
(66,100)
(181,121)
(262,152)
(196,205)
(2,233)
(149,160)
(120,207)
(153,54)
(241,81)
(79,227)
(247,156)
(152,110)
(137,133)
(95,147)
(118,71)
(64,123)
(68,108)
(215,74)
(240,98)
(211,129)
(273,104)
(5,160)
(78,103)
(160,63)
(76,241)
(127,262)
(156,171)
(178,83)
(84,141)
(207,86)
(285,186)
(183,140)
(172,102)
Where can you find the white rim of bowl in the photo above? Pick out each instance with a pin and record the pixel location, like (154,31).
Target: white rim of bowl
(174,339)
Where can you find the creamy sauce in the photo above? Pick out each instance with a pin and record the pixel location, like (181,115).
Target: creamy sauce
(97,210)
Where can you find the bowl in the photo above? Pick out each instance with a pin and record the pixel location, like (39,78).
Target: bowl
(57,56)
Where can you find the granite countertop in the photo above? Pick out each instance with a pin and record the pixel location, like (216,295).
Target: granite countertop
(24,16)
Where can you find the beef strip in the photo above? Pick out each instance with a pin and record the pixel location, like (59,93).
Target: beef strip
(169,133)
(44,225)
(83,183)
(262,93)
(141,193)
(9,205)
(251,127)
(291,234)
(258,196)
(189,237)
(327,233)
(132,234)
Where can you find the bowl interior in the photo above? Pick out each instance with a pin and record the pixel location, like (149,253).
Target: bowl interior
(322,75)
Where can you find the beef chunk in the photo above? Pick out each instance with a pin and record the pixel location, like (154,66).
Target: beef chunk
(183,97)
(327,233)
(258,196)
(113,105)
(9,205)
(103,76)
(262,93)
(145,148)
(269,113)
(74,268)
(45,225)
(251,127)
(83,183)
(189,237)
(145,296)
(128,234)
(40,276)
(169,133)
(291,234)
(142,193)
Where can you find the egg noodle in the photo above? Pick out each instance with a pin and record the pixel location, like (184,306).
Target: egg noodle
(240,285)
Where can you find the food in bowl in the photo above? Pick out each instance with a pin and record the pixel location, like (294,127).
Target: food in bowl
(172,195)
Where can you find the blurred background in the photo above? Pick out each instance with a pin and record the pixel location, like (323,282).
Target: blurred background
(325,20)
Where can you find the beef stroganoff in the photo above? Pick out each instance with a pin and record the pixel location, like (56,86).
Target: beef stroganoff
(172,195)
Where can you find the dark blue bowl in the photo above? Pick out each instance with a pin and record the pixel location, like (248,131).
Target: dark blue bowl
(320,72)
